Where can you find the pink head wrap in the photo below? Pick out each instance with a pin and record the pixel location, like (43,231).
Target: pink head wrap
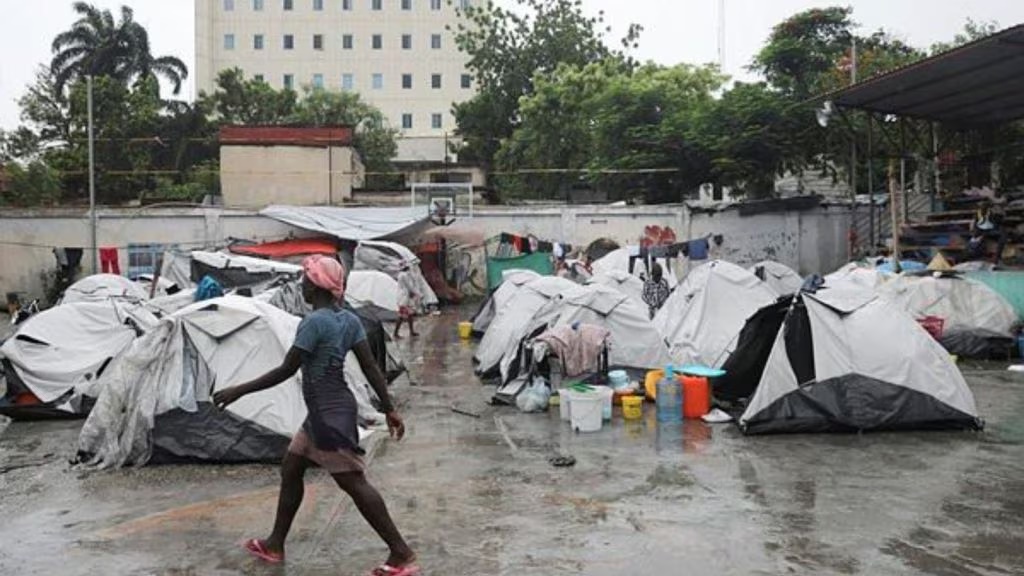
(326,273)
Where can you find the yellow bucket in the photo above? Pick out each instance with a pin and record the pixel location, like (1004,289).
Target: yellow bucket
(632,407)
(465,330)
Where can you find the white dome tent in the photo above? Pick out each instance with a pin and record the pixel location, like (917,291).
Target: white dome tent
(512,283)
(375,291)
(964,305)
(621,281)
(781,278)
(845,360)
(100,287)
(512,321)
(390,258)
(703,317)
(618,260)
(854,275)
(155,402)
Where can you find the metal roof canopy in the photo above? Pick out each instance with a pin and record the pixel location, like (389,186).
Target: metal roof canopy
(975,84)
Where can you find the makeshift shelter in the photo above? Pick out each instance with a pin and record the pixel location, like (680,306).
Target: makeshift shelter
(1007,283)
(843,360)
(855,275)
(432,256)
(703,317)
(232,271)
(390,258)
(779,277)
(155,405)
(375,292)
(623,260)
(100,287)
(52,361)
(512,283)
(512,321)
(289,250)
(620,281)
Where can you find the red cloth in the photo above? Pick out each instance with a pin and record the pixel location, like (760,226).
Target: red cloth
(109,261)
(289,248)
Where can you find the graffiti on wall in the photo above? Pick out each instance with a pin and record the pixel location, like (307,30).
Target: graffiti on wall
(655,235)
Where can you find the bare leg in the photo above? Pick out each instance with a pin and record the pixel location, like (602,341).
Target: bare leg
(371,506)
(398,326)
(412,329)
(293,471)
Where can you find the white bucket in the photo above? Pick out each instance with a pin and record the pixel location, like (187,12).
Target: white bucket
(563,404)
(586,411)
(608,395)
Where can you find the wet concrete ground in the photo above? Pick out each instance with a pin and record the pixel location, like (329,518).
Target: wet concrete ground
(478,496)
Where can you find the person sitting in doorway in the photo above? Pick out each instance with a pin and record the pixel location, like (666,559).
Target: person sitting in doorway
(656,290)
(409,301)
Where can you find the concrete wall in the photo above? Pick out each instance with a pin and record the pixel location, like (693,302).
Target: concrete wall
(255,176)
(809,241)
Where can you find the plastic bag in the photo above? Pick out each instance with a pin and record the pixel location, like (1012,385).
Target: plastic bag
(535,397)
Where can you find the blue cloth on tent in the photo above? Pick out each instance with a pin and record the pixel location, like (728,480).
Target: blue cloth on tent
(702,371)
(699,249)
(208,289)
(905,266)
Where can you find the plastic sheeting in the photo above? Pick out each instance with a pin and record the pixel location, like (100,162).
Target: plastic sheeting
(964,305)
(390,258)
(100,287)
(781,278)
(854,275)
(619,260)
(349,223)
(622,282)
(513,281)
(1007,283)
(703,318)
(375,291)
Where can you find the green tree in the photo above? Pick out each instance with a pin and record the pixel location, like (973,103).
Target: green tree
(804,49)
(237,100)
(508,48)
(973,30)
(30,185)
(97,45)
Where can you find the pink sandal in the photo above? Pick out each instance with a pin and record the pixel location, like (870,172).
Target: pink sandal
(258,549)
(385,570)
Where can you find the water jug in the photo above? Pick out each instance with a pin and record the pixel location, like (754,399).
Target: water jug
(669,398)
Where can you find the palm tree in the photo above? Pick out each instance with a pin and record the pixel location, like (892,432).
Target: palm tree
(97,45)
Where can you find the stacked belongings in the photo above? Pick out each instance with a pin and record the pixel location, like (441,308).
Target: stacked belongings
(781,278)
(52,363)
(156,407)
(703,317)
(976,321)
(512,283)
(842,360)
(512,322)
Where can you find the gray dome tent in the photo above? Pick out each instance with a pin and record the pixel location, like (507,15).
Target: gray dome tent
(843,360)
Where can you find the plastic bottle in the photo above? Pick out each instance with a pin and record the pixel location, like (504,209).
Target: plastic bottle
(669,398)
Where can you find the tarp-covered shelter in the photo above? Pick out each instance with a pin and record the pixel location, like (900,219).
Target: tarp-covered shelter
(702,319)
(621,281)
(962,303)
(295,248)
(233,271)
(512,321)
(155,405)
(390,258)
(781,278)
(374,291)
(855,275)
(843,360)
(56,356)
(355,224)
(100,287)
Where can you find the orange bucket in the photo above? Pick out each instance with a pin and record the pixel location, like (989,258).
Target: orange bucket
(696,396)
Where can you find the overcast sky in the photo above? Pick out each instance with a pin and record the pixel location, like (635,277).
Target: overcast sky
(674,30)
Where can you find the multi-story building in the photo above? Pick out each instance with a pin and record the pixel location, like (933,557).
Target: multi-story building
(400,55)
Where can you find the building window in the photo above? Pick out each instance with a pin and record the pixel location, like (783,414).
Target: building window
(257,42)
(346,5)
(318,5)
(318,41)
(258,77)
(406,4)
(257,5)
(375,4)
(378,81)
(436,121)
(467,81)
(229,41)
(348,82)
(289,42)
(407,81)
(435,81)
(346,42)
(318,80)
(435,5)
(435,41)
(463,4)
(289,81)
(406,41)
(406,121)
(229,5)
(289,5)
(378,42)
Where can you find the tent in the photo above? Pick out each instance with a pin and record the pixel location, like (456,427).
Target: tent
(100,287)
(703,317)
(155,405)
(375,292)
(855,275)
(233,271)
(781,278)
(620,260)
(843,360)
(620,281)
(510,286)
(390,258)
(965,305)
(512,320)
(56,355)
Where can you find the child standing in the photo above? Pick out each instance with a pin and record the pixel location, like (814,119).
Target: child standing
(409,301)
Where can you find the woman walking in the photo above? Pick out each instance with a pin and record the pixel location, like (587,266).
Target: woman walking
(329,437)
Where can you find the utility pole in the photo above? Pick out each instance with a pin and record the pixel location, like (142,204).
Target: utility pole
(92,183)
(721,36)
(853,154)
